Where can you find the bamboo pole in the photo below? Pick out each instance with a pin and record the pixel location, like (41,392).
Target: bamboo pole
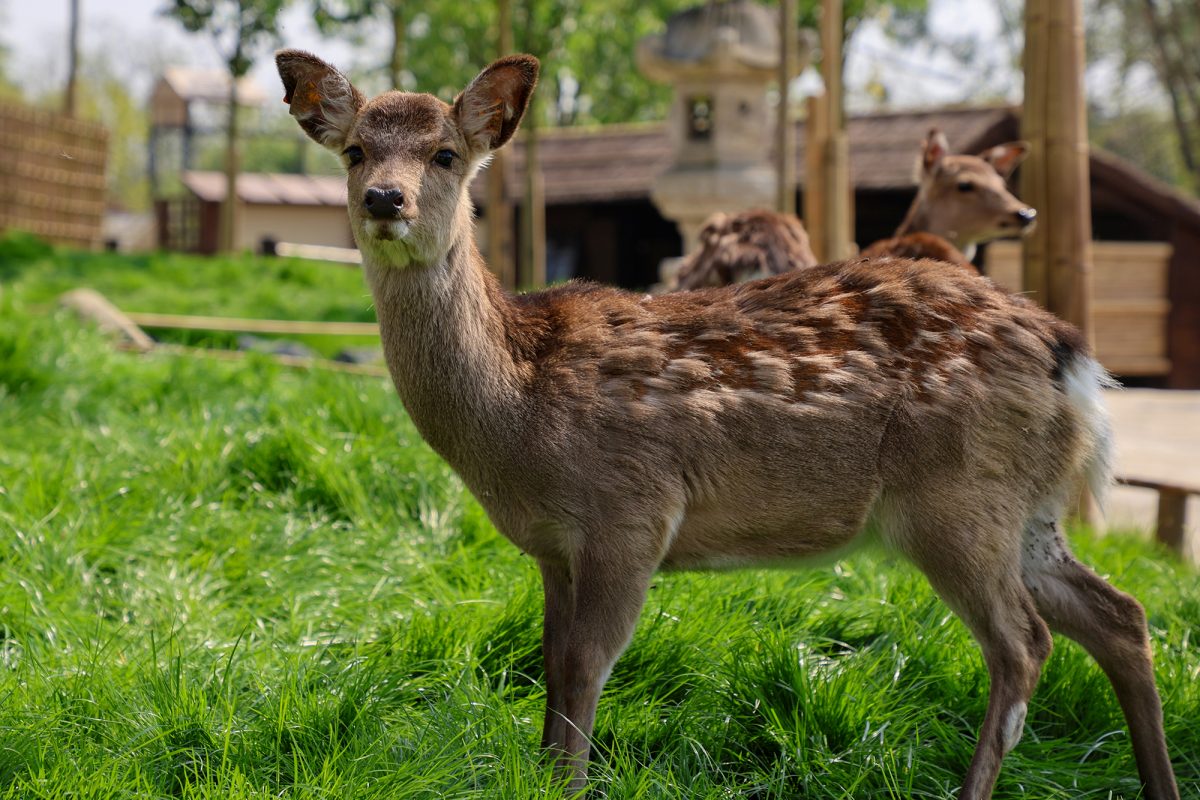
(1057,264)
(1068,187)
(785,134)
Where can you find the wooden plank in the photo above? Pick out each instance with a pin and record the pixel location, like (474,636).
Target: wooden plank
(319,252)
(236,325)
(93,306)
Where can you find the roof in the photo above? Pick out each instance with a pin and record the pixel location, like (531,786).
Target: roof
(621,162)
(1143,188)
(210,85)
(258,188)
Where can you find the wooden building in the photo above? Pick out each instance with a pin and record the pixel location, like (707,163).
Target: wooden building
(304,209)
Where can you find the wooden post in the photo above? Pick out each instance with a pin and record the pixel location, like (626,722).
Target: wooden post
(785,135)
(1057,268)
(499,206)
(836,188)
(814,175)
(1172,509)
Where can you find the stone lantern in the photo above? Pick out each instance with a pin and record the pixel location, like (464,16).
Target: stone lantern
(720,57)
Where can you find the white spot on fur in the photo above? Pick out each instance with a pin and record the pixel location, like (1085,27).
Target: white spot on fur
(1014,726)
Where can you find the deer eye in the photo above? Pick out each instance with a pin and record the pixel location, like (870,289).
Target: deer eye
(966,186)
(354,155)
(444,158)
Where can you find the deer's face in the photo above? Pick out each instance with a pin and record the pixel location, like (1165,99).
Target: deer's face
(966,198)
(408,157)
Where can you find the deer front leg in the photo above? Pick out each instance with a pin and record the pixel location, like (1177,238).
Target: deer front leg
(556,626)
(606,595)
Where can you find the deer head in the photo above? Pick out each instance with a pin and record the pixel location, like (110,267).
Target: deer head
(409,157)
(965,199)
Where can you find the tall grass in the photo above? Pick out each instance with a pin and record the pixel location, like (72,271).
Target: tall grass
(236,581)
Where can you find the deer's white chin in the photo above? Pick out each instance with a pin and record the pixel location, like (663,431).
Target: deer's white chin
(390,230)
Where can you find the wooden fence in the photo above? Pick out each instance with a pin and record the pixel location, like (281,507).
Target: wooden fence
(52,175)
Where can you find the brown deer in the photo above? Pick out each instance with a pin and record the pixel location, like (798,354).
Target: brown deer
(744,246)
(611,434)
(963,199)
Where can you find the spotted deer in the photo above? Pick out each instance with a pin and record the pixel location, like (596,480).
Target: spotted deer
(965,199)
(611,434)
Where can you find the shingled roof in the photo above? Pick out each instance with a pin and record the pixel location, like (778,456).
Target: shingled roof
(621,162)
(270,188)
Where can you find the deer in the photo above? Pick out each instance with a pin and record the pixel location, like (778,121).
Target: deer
(962,199)
(744,246)
(611,434)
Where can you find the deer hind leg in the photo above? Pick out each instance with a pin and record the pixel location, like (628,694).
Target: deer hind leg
(1111,626)
(972,563)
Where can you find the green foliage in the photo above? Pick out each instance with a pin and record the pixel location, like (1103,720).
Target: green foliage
(240,27)
(587,48)
(238,581)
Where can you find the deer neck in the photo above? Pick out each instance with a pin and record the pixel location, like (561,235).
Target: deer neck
(917,218)
(444,332)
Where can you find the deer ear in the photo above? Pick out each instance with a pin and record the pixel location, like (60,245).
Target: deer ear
(490,108)
(934,150)
(1004,158)
(321,99)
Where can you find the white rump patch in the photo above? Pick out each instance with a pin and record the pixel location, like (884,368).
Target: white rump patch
(1084,381)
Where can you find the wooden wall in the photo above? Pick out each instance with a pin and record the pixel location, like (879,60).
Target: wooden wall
(52,175)
(1130,305)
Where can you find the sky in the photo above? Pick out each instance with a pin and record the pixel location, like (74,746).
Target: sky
(144,41)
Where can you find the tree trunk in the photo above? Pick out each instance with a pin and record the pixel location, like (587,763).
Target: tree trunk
(1172,79)
(229,207)
(785,134)
(70,102)
(533,216)
(499,207)
(399,42)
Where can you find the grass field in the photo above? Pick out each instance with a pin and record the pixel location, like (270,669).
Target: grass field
(235,581)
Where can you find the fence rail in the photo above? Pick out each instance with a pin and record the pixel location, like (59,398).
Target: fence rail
(52,175)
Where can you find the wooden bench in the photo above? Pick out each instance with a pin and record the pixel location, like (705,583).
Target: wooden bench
(1172,509)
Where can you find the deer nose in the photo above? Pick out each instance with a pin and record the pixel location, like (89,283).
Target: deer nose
(384,203)
(1026,216)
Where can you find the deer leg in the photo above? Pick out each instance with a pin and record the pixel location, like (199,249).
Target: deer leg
(974,567)
(1111,626)
(560,607)
(1015,644)
(608,596)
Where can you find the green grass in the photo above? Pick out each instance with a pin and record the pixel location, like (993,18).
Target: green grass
(236,581)
(243,286)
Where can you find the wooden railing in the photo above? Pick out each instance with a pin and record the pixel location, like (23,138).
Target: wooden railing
(1171,525)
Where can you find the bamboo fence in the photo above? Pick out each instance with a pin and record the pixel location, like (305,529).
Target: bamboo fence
(52,175)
